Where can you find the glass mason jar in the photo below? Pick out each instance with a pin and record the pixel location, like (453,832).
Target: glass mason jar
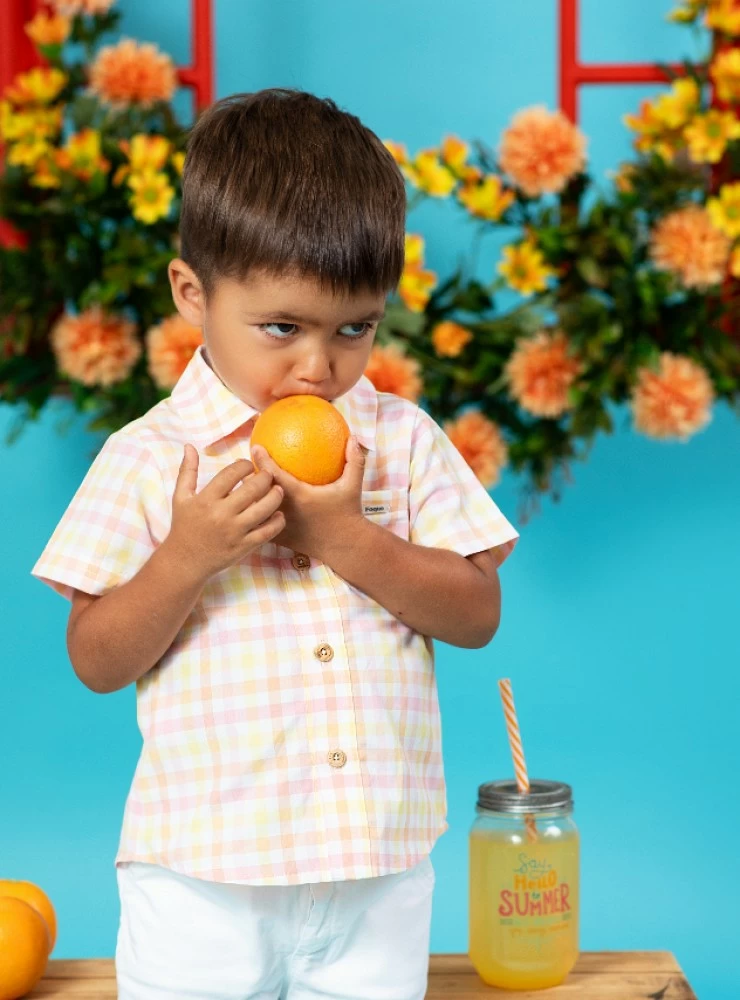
(523,889)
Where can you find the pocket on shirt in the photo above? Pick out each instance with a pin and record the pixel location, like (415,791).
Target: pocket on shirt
(389,508)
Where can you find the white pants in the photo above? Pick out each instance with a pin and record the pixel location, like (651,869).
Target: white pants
(183,937)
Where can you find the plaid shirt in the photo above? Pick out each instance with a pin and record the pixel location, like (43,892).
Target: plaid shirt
(291,732)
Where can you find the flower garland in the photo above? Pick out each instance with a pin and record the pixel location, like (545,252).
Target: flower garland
(629,297)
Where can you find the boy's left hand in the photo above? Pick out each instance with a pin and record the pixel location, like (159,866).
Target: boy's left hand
(317,518)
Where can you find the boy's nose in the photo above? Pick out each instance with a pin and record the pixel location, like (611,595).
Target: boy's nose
(314,367)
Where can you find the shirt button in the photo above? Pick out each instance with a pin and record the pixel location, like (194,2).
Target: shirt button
(337,758)
(300,561)
(324,652)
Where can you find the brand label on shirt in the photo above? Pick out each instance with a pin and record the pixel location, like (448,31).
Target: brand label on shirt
(376,508)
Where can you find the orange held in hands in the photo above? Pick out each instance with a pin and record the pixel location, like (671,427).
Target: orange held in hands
(25,937)
(306,436)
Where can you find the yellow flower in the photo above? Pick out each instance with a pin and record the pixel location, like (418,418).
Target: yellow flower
(688,12)
(674,108)
(725,71)
(624,177)
(400,154)
(708,135)
(432,175)
(449,339)
(414,250)
(81,156)
(144,152)
(524,268)
(152,196)
(48,29)
(415,288)
(38,86)
(147,152)
(724,15)
(488,200)
(42,123)
(416,284)
(178,162)
(454,154)
(724,211)
(397,150)
(45,176)
(26,152)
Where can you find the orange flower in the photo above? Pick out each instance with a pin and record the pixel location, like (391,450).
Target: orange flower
(48,29)
(170,346)
(540,371)
(391,371)
(129,73)
(541,151)
(675,401)
(687,244)
(449,339)
(95,348)
(481,444)
(735,263)
(71,8)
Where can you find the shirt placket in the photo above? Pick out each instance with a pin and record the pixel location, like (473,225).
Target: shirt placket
(332,731)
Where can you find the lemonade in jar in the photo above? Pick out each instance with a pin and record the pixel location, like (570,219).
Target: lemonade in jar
(523,892)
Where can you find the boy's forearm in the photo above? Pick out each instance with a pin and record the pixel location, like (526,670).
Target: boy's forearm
(119,637)
(434,591)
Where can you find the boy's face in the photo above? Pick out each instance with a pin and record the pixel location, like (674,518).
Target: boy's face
(267,337)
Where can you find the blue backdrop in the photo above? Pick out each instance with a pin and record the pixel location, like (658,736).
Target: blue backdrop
(620,604)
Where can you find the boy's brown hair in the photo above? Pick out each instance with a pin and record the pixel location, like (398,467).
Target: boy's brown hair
(285,182)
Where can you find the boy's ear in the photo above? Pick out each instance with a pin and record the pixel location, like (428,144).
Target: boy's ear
(187,292)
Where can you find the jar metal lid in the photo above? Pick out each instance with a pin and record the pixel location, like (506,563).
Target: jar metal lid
(543,796)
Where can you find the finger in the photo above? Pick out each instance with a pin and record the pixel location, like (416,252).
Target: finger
(268,530)
(224,481)
(264,461)
(262,509)
(253,488)
(187,475)
(354,469)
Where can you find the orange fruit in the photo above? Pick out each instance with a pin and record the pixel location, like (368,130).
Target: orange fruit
(38,900)
(24,947)
(306,436)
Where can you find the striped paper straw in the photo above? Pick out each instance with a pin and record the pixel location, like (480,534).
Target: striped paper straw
(517,750)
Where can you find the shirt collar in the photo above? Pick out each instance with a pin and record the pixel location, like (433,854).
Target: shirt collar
(209,411)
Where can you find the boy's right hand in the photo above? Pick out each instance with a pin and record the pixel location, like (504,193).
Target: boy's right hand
(217,527)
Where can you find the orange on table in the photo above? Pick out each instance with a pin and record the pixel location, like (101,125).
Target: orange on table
(38,900)
(306,436)
(24,947)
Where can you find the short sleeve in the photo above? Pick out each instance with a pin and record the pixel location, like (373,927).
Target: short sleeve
(104,536)
(448,506)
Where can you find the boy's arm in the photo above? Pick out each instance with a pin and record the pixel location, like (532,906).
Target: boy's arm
(439,593)
(115,639)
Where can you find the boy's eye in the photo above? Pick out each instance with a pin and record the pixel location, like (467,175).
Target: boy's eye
(356,330)
(282,331)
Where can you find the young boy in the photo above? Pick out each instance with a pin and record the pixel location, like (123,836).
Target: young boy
(276,837)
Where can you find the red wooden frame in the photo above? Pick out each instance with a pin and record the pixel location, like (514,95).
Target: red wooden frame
(574,74)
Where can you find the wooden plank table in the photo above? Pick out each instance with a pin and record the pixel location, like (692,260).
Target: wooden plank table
(599,975)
